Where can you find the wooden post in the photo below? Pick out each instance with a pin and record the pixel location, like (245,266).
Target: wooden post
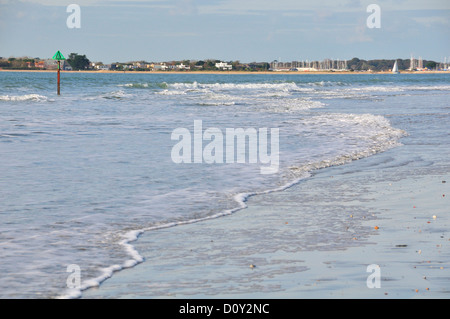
(59,77)
(58,57)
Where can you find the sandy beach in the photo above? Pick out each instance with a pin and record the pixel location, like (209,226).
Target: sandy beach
(368,220)
(397,224)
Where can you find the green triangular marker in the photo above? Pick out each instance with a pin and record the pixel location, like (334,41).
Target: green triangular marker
(58,56)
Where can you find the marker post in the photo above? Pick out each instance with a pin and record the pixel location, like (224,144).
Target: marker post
(58,57)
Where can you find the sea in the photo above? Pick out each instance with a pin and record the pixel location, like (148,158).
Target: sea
(86,172)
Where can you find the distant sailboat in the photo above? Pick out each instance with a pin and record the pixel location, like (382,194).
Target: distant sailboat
(395,68)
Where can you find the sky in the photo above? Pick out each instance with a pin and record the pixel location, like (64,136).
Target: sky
(229,30)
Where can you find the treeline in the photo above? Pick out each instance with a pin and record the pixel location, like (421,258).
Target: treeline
(192,65)
(18,63)
(75,60)
(210,65)
(81,62)
(78,61)
(356,64)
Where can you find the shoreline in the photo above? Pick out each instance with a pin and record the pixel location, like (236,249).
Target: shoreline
(235,257)
(313,240)
(229,72)
(384,210)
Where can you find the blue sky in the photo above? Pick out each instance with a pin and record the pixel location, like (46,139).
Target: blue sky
(244,30)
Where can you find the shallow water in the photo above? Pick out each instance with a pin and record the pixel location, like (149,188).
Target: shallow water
(84,172)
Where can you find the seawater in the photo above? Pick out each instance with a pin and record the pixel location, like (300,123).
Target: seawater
(84,173)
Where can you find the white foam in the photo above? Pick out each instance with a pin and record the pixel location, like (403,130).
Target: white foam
(171,92)
(431,88)
(236,86)
(293,105)
(135,85)
(120,94)
(373,131)
(377,130)
(26,97)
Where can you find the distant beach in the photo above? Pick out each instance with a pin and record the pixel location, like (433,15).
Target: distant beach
(233,72)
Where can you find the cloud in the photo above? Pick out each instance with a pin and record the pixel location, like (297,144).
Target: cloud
(359,35)
(432,21)
(184,7)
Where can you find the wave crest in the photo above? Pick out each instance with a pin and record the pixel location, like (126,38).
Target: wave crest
(26,97)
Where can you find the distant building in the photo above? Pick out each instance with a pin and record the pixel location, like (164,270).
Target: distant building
(50,64)
(39,64)
(224,66)
(280,66)
(160,67)
(141,65)
(181,66)
(66,66)
(104,67)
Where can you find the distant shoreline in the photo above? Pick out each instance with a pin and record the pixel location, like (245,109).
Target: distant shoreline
(228,72)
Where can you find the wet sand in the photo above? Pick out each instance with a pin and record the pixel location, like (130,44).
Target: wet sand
(279,247)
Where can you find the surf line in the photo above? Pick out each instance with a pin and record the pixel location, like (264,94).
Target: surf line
(301,173)
(189,148)
(133,235)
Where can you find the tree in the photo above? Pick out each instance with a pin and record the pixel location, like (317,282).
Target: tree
(78,62)
(431,65)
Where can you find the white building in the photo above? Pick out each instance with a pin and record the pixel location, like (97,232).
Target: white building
(160,67)
(104,67)
(181,66)
(224,66)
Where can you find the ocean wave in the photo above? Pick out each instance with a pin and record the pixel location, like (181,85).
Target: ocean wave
(375,131)
(431,88)
(279,87)
(225,103)
(114,95)
(292,105)
(134,85)
(328,83)
(145,85)
(236,86)
(26,97)
(171,92)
